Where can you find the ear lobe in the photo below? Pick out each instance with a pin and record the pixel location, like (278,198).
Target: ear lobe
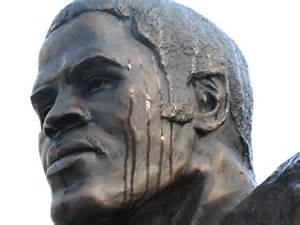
(212,106)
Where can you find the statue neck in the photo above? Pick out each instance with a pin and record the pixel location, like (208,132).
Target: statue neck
(175,205)
(192,200)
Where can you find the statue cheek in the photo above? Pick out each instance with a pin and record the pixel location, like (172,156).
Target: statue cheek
(44,143)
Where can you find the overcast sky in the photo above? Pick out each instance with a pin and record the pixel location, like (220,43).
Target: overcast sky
(266,31)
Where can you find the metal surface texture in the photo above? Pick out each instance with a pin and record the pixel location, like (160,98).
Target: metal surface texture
(145,110)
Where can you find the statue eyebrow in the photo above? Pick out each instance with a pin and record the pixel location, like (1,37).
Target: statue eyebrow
(83,64)
(86,63)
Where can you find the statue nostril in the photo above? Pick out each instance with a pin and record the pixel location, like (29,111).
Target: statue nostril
(72,120)
(55,126)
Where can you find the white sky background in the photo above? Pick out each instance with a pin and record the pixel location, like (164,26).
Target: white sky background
(267,31)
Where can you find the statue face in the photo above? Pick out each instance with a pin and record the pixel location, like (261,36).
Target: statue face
(102,144)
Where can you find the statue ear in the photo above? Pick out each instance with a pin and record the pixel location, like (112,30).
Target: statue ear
(211,94)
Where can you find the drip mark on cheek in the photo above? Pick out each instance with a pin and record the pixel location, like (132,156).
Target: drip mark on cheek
(133,144)
(148,154)
(171,150)
(126,137)
(162,140)
(161,143)
(148,141)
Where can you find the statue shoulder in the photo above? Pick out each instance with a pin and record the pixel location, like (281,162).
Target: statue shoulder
(276,201)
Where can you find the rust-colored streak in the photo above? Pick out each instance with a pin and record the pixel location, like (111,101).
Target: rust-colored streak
(133,147)
(148,154)
(125,165)
(160,156)
(171,150)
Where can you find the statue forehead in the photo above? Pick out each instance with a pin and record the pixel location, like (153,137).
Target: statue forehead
(83,34)
(89,35)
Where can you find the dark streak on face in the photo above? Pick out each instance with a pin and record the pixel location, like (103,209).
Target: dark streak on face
(130,143)
(161,155)
(148,151)
(127,145)
(133,146)
(161,145)
(171,150)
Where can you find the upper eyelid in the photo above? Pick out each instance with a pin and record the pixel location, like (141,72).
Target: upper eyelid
(102,76)
(108,72)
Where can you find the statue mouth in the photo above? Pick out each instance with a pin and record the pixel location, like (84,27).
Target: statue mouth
(63,154)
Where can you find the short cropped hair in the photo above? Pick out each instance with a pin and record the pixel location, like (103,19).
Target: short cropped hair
(184,43)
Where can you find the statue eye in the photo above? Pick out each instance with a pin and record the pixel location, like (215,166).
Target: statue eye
(99,84)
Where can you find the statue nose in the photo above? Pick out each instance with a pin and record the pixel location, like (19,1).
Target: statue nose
(58,123)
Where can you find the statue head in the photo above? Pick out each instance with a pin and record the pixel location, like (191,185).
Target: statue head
(133,96)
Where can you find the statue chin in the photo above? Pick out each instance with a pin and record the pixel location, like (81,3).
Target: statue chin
(85,203)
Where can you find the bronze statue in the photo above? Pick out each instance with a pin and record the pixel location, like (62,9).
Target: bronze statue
(145,110)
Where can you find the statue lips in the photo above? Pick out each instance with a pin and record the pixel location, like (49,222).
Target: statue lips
(65,153)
